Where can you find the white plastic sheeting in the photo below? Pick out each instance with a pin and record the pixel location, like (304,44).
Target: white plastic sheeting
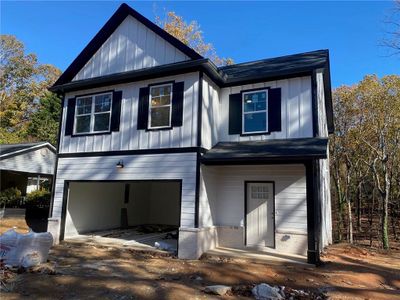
(25,250)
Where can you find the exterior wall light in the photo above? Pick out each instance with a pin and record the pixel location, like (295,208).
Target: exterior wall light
(120,164)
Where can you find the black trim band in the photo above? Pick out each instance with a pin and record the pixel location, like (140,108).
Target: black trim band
(134,152)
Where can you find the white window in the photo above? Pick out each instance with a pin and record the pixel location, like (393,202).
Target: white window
(160,106)
(255,108)
(93,113)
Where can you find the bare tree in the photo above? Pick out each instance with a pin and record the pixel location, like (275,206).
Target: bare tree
(392,38)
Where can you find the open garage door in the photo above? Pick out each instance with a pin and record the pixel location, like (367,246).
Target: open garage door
(135,211)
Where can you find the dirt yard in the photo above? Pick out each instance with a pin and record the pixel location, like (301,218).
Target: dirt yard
(89,271)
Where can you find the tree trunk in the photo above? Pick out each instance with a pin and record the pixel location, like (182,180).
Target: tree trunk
(359,207)
(350,218)
(371,218)
(385,235)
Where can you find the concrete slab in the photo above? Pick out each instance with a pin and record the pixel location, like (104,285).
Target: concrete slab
(251,254)
(124,238)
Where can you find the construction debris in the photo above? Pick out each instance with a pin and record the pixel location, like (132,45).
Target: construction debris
(24,250)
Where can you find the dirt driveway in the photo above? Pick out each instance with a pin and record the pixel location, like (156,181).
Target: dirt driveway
(85,271)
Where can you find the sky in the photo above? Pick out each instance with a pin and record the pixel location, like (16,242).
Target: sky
(352,31)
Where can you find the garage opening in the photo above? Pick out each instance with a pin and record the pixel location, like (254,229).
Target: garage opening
(135,213)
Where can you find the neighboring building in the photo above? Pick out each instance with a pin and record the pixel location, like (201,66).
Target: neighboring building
(26,166)
(153,133)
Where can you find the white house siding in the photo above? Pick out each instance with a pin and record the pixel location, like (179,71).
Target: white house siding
(128,137)
(296,110)
(222,197)
(131,46)
(37,161)
(324,174)
(210,113)
(208,196)
(180,166)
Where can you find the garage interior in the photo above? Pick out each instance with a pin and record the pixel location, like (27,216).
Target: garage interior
(136,213)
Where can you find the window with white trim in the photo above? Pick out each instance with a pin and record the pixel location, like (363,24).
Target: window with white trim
(160,106)
(255,108)
(93,113)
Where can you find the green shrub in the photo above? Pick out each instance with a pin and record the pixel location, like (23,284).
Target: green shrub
(10,197)
(38,198)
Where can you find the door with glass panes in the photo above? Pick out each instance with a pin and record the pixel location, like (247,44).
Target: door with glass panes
(260,214)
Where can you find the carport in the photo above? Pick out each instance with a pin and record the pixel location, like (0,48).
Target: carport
(131,213)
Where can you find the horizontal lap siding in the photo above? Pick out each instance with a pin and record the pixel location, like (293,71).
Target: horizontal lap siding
(128,137)
(296,110)
(136,167)
(132,46)
(38,161)
(290,195)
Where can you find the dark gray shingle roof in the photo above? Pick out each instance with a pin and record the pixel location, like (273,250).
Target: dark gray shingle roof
(276,67)
(290,149)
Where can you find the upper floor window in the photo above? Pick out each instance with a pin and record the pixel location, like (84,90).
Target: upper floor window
(255,108)
(93,113)
(160,106)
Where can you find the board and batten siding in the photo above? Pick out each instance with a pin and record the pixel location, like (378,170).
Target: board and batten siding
(210,113)
(324,174)
(177,166)
(132,46)
(296,110)
(128,137)
(40,161)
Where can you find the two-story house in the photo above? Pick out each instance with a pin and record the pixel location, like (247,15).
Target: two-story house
(153,133)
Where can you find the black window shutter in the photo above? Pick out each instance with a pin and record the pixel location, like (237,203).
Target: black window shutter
(177,104)
(143,108)
(116,111)
(69,123)
(274,110)
(235,113)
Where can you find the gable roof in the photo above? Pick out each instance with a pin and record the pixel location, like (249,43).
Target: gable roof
(105,32)
(9,150)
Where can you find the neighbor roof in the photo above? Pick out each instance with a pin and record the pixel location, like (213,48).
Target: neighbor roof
(267,150)
(7,150)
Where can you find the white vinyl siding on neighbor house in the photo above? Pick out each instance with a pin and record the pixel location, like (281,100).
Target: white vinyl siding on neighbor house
(180,166)
(36,161)
(296,110)
(132,46)
(128,137)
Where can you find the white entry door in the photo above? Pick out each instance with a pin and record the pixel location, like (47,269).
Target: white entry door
(260,214)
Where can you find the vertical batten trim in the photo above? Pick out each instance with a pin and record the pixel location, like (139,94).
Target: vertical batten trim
(314,103)
(198,155)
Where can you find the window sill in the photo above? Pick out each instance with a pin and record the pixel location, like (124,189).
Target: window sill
(90,133)
(256,133)
(159,129)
